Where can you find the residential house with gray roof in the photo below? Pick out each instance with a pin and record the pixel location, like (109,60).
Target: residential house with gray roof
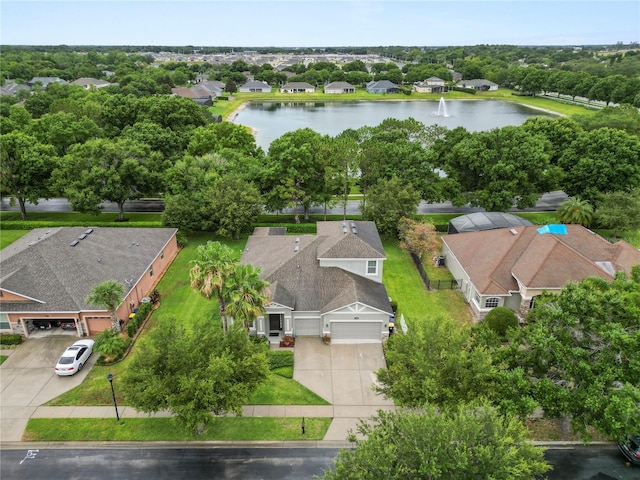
(253,86)
(48,273)
(44,81)
(479,84)
(339,88)
(383,86)
(324,284)
(89,83)
(297,87)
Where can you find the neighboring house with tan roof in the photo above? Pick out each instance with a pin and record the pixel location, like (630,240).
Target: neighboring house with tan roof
(324,284)
(431,85)
(48,273)
(509,267)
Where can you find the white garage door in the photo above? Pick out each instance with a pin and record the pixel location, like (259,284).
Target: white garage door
(356,331)
(307,327)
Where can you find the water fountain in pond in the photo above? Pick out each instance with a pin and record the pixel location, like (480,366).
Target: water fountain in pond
(442,109)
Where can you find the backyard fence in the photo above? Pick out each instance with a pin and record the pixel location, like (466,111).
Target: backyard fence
(433,284)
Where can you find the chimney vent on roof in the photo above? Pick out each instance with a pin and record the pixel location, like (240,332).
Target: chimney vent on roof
(513,231)
(74,243)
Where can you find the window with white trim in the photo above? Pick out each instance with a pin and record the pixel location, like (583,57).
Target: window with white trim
(492,302)
(4,322)
(372,267)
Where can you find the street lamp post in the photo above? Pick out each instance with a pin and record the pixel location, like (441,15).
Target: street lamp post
(110,378)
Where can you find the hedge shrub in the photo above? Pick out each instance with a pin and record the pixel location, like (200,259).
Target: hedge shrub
(10,339)
(279,359)
(31,224)
(472,91)
(136,322)
(500,319)
(286,372)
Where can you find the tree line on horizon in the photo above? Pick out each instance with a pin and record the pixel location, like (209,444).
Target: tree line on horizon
(607,75)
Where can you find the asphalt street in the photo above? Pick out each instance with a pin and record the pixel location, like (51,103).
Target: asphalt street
(548,202)
(137,461)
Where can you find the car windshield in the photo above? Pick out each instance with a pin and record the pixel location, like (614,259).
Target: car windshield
(65,360)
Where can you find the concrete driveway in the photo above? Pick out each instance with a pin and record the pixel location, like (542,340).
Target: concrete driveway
(27,380)
(342,374)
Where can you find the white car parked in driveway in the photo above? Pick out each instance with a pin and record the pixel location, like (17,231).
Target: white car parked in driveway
(74,357)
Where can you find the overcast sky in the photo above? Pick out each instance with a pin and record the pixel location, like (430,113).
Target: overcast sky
(302,23)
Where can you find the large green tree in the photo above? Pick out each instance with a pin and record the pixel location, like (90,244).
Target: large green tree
(192,372)
(500,168)
(619,211)
(435,364)
(389,201)
(399,148)
(108,295)
(601,161)
(25,169)
(215,137)
(233,205)
(103,169)
(293,175)
(578,355)
(464,442)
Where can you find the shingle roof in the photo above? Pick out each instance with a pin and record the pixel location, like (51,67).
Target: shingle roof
(478,82)
(342,242)
(43,266)
(297,279)
(90,81)
(382,84)
(494,259)
(255,84)
(339,85)
(304,85)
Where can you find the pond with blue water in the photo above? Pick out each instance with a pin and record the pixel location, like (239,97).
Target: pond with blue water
(271,120)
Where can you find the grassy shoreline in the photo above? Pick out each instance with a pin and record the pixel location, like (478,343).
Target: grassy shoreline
(229,109)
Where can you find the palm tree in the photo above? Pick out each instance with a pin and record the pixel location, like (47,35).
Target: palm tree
(108,295)
(246,294)
(576,211)
(216,262)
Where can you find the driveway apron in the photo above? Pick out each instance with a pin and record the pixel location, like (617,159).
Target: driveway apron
(342,374)
(27,379)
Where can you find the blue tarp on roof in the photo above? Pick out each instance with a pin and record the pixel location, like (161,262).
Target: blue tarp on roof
(556,229)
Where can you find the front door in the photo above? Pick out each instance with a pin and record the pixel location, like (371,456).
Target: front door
(275,324)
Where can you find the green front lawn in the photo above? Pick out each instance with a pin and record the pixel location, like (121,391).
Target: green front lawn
(167,429)
(7,237)
(278,390)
